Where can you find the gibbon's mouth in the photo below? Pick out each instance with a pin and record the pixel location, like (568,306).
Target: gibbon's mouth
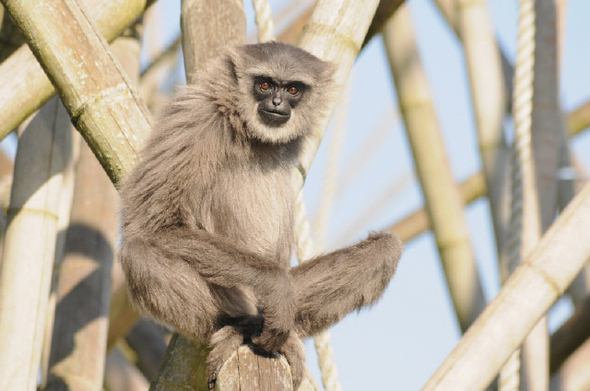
(276,113)
(274,118)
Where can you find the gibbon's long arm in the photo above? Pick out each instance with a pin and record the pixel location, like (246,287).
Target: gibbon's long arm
(330,286)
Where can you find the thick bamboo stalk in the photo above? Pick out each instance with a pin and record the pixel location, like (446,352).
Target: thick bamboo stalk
(527,295)
(443,201)
(384,11)
(334,32)
(25,86)
(25,276)
(213,24)
(84,282)
(292,33)
(90,82)
(63,221)
(122,315)
(244,370)
(85,274)
(183,366)
(454,11)
(153,75)
(486,81)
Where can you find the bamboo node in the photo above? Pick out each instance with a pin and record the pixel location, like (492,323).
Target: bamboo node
(110,96)
(332,35)
(546,277)
(13,211)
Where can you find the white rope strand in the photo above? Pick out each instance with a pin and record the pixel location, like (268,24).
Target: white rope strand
(305,251)
(509,379)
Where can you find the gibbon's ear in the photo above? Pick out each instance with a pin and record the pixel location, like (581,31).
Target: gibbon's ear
(237,60)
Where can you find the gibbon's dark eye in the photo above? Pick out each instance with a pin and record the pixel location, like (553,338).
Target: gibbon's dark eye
(264,86)
(293,90)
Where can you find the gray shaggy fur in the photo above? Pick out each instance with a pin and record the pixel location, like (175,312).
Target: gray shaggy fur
(207,216)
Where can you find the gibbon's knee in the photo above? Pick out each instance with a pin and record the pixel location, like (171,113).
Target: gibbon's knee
(168,289)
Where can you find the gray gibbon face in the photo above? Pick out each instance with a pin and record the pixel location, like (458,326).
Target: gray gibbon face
(281,99)
(276,99)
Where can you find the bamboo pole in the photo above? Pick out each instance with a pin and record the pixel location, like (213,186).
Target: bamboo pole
(63,221)
(383,13)
(454,12)
(486,81)
(85,275)
(443,201)
(212,25)
(334,32)
(153,75)
(25,86)
(529,292)
(84,282)
(183,366)
(122,315)
(27,261)
(90,82)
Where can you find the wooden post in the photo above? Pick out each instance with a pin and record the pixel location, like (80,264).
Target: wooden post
(247,371)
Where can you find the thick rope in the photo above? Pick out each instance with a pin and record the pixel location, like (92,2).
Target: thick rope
(323,343)
(522,166)
(305,248)
(305,251)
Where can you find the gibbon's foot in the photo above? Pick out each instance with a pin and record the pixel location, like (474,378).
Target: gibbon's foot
(223,343)
(294,351)
(270,340)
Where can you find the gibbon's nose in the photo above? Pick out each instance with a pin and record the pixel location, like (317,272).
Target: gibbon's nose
(277,100)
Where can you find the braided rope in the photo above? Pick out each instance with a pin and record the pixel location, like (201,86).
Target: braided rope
(522,172)
(305,251)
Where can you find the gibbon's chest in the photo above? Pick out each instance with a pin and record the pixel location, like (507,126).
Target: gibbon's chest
(254,207)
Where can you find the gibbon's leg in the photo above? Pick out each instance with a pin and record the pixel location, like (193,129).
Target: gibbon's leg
(330,286)
(194,280)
